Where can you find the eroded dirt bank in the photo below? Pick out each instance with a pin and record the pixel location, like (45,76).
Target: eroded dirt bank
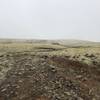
(34,77)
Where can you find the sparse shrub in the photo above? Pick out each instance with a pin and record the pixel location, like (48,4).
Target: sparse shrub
(74,56)
(0,68)
(83,59)
(55,43)
(90,56)
(94,62)
(67,56)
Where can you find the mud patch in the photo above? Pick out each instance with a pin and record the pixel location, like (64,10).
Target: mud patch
(49,78)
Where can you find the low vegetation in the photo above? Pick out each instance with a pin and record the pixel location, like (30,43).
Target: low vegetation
(49,71)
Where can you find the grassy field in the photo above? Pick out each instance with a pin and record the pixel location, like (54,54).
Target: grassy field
(78,66)
(80,53)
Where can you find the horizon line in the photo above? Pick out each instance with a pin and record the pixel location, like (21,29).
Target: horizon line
(3,38)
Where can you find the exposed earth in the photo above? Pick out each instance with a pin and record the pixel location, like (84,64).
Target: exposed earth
(40,76)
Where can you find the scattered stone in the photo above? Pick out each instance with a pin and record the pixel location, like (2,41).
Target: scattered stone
(20,81)
(79,98)
(67,93)
(79,76)
(3,90)
(40,79)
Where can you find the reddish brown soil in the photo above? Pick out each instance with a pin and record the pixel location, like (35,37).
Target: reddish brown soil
(50,78)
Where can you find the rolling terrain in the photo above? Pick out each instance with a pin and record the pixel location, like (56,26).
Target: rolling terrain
(49,70)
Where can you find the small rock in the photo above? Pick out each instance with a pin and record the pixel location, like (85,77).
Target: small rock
(19,73)
(79,76)
(17,87)
(20,81)
(67,93)
(53,68)
(3,90)
(79,98)
(93,99)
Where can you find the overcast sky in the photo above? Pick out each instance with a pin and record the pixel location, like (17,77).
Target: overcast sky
(50,19)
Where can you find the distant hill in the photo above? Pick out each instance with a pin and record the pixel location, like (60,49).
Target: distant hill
(67,42)
(71,42)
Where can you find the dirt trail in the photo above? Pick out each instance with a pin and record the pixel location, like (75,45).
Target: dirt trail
(50,78)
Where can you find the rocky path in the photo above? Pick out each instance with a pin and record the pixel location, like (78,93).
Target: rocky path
(35,77)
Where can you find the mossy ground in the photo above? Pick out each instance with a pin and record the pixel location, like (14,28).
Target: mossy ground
(31,71)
